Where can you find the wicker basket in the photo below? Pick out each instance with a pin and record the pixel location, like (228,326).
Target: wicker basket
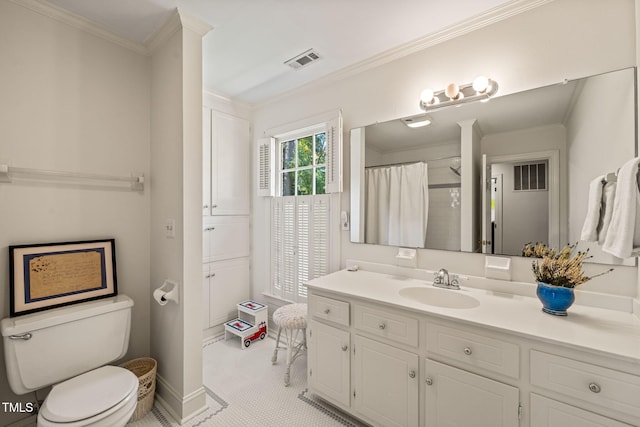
(145,369)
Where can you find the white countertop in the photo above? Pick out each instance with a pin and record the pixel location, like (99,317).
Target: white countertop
(613,333)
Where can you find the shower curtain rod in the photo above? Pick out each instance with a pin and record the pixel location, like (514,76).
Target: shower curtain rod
(412,162)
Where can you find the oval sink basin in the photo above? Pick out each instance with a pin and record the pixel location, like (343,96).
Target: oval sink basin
(439,297)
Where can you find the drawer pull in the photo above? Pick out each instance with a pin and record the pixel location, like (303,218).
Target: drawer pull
(381,325)
(327,311)
(205,207)
(214,206)
(412,374)
(429,381)
(594,388)
(344,347)
(467,351)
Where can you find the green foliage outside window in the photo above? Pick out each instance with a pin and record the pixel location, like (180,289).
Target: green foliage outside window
(304,165)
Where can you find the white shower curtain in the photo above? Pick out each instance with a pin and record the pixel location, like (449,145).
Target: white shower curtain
(397,205)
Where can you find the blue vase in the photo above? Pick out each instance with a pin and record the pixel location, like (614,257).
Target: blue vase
(555,299)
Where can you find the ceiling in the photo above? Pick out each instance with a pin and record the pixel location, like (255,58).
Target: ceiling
(244,54)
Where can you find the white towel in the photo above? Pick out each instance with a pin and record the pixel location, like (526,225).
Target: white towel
(606,210)
(623,236)
(590,227)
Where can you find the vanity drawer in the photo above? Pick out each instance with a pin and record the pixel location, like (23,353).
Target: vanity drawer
(475,349)
(330,309)
(594,384)
(392,326)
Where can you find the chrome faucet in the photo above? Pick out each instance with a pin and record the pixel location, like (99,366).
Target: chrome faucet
(443,280)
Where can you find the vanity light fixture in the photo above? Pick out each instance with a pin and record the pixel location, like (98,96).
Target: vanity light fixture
(482,88)
(417,121)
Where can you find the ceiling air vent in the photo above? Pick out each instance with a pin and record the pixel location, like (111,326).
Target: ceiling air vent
(303,59)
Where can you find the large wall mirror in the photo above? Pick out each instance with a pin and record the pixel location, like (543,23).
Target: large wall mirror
(492,176)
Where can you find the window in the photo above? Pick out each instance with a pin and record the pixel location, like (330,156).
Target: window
(301,169)
(530,176)
(303,165)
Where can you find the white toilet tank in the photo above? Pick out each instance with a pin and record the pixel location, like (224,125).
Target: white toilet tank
(49,347)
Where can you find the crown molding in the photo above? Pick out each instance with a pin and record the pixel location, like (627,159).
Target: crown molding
(474,23)
(76,21)
(164,32)
(176,21)
(194,24)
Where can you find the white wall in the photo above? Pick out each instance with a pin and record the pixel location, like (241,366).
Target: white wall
(561,39)
(73,102)
(595,150)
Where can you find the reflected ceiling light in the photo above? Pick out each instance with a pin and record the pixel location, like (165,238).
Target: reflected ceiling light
(481,89)
(417,121)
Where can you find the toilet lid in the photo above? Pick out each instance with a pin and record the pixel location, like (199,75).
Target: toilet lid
(88,394)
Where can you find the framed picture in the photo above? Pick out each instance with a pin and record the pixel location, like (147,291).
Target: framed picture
(45,276)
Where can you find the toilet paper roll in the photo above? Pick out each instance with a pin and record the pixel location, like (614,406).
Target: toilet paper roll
(159,296)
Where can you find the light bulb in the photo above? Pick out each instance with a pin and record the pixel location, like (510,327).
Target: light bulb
(480,84)
(452,91)
(427,96)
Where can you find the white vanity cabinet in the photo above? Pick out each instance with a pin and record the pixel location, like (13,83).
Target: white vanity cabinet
(386,383)
(454,397)
(546,412)
(329,362)
(415,366)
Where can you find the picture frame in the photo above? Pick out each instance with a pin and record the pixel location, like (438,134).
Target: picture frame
(49,275)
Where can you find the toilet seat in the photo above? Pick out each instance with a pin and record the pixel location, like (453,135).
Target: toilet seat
(91,397)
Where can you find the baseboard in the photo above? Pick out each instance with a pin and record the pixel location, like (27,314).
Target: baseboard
(181,408)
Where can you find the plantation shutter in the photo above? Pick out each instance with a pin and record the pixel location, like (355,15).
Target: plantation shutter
(289,246)
(334,155)
(305,248)
(299,244)
(277,255)
(320,241)
(266,167)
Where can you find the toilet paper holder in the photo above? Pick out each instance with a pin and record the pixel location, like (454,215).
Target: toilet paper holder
(169,291)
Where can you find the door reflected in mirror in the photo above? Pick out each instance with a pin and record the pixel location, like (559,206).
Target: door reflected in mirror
(491,177)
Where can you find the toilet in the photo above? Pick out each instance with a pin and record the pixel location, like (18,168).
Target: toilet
(70,348)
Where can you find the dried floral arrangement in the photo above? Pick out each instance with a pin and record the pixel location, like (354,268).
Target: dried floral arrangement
(563,268)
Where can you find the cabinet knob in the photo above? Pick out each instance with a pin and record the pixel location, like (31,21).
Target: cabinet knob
(594,388)
(205,207)
(214,206)
(327,311)
(429,381)
(412,374)
(467,351)
(344,347)
(381,325)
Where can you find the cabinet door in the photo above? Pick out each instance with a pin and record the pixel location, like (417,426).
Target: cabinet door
(329,370)
(230,164)
(228,285)
(205,296)
(225,237)
(386,383)
(206,161)
(551,413)
(454,397)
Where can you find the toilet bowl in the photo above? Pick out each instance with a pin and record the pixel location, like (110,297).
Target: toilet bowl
(106,396)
